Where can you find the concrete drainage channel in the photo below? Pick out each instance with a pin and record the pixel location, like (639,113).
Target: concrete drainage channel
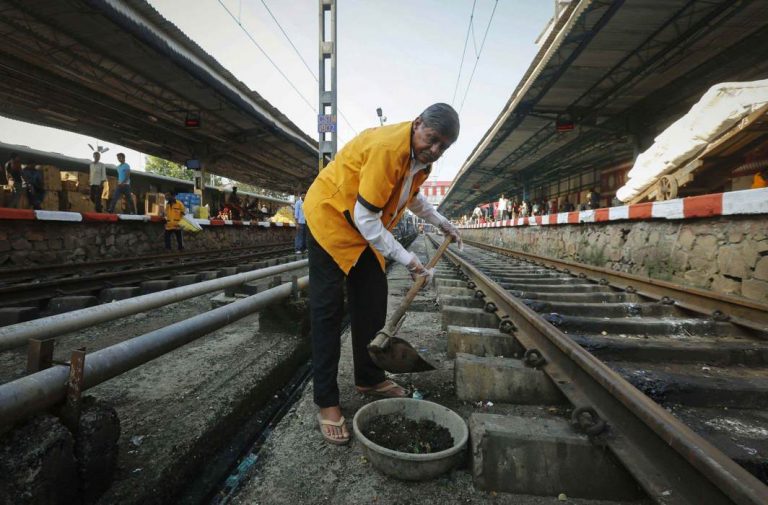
(151,429)
(710,374)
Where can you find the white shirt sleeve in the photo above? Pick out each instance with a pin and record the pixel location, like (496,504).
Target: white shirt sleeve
(425,210)
(370,227)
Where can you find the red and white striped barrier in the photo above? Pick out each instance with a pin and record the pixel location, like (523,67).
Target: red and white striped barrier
(745,202)
(96,217)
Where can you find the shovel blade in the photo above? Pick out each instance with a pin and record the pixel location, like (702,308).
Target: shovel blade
(398,356)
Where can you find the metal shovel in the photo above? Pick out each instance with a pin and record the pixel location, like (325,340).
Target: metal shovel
(395,354)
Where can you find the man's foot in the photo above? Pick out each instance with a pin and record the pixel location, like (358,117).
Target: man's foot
(333,426)
(385,389)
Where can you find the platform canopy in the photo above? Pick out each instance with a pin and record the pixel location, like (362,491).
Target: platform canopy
(119,71)
(619,72)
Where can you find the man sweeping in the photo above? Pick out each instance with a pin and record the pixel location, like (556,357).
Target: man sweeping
(350,209)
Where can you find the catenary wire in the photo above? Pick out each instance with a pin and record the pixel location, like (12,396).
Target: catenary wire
(477,60)
(463,52)
(248,34)
(296,50)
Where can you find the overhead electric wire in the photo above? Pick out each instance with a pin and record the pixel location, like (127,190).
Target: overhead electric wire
(296,50)
(477,60)
(248,34)
(464,52)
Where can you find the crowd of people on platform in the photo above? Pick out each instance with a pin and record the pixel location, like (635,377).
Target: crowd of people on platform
(237,208)
(512,208)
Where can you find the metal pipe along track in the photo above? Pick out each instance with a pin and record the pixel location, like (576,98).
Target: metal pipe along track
(52,326)
(29,395)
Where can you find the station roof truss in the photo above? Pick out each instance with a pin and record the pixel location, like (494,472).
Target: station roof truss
(119,71)
(622,71)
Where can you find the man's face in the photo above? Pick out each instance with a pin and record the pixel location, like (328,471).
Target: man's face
(96,156)
(120,158)
(427,143)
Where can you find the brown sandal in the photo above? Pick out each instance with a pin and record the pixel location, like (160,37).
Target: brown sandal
(388,390)
(336,424)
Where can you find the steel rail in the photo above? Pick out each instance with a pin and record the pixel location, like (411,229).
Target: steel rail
(741,311)
(53,326)
(10,274)
(32,292)
(672,463)
(34,393)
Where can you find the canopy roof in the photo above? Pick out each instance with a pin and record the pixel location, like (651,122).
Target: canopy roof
(621,71)
(119,71)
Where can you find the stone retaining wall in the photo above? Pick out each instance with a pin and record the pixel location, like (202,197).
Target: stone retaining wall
(30,243)
(725,254)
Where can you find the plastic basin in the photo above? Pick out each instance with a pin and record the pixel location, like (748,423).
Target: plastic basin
(407,466)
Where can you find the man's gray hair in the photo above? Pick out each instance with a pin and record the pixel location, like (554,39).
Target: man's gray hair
(443,118)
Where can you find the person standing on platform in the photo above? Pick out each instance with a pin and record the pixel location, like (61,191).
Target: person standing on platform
(174,211)
(33,184)
(501,210)
(98,175)
(350,209)
(593,199)
(301,224)
(123,186)
(13,174)
(477,214)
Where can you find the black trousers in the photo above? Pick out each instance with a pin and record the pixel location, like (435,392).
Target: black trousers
(367,294)
(179,239)
(95,194)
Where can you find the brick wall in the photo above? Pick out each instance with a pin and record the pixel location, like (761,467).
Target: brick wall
(30,243)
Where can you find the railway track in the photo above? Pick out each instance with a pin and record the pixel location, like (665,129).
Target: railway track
(674,381)
(38,273)
(89,279)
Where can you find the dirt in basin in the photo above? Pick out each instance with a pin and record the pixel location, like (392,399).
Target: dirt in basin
(399,433)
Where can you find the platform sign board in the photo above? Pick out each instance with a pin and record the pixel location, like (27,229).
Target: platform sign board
(326,123)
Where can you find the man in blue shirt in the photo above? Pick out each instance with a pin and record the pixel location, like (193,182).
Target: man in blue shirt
(123,185)
(301,224)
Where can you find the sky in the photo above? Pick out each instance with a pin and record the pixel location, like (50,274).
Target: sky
(400,55)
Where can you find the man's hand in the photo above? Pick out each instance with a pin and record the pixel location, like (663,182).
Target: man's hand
(416,269)
(447,228)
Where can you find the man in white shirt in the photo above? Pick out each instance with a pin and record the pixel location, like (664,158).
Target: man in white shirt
(477,214)
(501,210)
(98,176)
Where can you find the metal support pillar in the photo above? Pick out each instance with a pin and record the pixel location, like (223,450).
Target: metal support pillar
(327,114)
(200,176)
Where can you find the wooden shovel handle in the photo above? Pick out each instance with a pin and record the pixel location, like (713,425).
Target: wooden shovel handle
(398,314)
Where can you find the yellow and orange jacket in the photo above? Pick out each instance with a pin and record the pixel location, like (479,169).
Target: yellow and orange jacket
(173,214)
(758,181)
(370,168)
